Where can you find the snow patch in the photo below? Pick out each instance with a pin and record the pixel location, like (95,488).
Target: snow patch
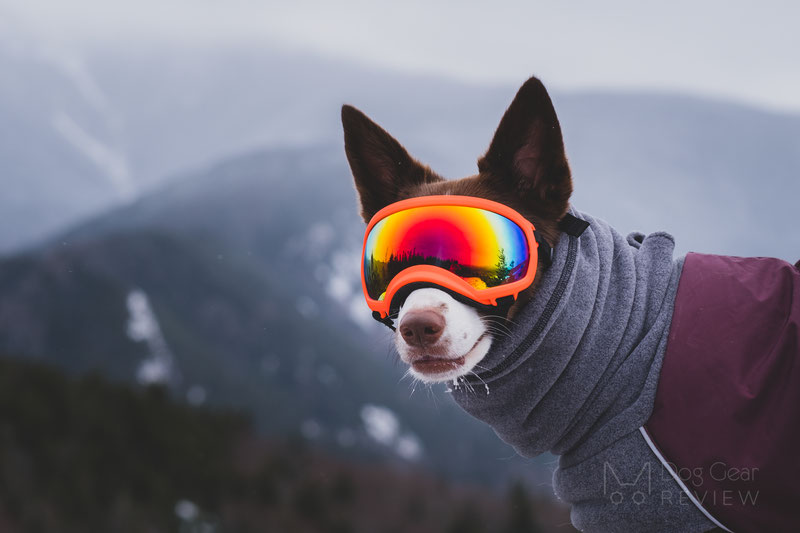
(314,243)
(337,268)
(113,164)
(186,510)
(383,426)
(344,285)
(338,288)
(311,429)
(143,326)
(360,313)
(76,71)
(408,447)
(380,423)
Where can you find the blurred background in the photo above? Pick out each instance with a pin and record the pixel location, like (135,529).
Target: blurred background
(183,341)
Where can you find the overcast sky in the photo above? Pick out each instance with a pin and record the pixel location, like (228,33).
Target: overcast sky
(743,51)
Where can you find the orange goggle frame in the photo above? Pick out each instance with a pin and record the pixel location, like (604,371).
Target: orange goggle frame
(463,240)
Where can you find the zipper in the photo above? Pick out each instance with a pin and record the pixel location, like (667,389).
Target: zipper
(522,347)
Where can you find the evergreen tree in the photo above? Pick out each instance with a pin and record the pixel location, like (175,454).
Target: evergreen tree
(501,269)
(466,519)
(521,514)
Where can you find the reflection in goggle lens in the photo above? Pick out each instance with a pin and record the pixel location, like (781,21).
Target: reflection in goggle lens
(482,247)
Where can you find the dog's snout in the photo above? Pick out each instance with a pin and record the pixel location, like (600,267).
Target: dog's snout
(422,328)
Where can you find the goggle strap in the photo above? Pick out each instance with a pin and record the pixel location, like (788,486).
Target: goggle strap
(572,225)
(385,321)
(545,252)
(569,224)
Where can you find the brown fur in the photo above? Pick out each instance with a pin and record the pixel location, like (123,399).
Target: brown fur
(525,167)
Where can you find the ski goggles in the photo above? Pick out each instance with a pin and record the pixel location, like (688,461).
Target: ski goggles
(471,247)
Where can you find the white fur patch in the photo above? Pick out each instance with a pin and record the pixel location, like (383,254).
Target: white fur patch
(464,334)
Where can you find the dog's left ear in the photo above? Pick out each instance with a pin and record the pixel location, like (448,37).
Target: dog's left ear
(526,157)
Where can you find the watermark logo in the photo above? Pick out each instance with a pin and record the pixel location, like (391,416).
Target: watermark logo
(615,487)
(729,486)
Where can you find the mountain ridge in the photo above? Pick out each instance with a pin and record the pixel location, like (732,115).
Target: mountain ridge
(110,123)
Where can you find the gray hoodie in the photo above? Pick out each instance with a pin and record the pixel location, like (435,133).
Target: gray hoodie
(577,377)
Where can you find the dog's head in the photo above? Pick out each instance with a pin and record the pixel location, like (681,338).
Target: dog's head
(524,168)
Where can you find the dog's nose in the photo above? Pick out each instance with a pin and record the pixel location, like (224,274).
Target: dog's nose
(421,328)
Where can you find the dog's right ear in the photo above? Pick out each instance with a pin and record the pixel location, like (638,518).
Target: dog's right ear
(381,167)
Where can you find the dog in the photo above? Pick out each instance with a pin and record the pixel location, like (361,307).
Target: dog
(601,358)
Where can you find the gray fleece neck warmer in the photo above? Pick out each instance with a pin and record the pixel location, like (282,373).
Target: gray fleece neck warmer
(577,376)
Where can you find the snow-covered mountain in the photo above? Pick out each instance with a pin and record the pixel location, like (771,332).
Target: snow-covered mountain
(236,283)
(87,129)
(235,288)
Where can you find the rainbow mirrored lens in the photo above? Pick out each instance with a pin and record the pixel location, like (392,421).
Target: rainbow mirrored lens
(481,247)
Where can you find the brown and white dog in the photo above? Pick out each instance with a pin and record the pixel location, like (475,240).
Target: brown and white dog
(525,168)
(589,395)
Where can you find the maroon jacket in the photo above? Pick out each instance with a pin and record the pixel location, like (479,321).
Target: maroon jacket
(726,418)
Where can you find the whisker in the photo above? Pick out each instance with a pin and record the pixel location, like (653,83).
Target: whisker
(468,385)
(432,395)
(494,324)
(502,319)
(413,387)
(497,331)
(481,379)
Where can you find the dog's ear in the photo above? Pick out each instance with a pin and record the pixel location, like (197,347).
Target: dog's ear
(526,157)
(381,167)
